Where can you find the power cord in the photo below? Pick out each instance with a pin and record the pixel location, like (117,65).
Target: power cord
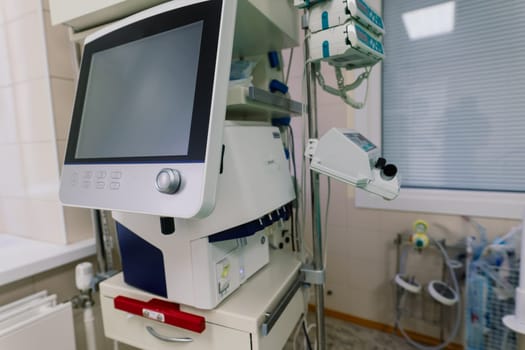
(295,230)
(289,66)
(307,337)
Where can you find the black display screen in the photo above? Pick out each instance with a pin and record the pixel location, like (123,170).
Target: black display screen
(145,90)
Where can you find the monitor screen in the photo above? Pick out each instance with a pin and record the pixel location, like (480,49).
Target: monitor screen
(146,132)
(146,87)
(138,104)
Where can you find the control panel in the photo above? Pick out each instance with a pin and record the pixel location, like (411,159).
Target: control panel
(164,189)
(99,180)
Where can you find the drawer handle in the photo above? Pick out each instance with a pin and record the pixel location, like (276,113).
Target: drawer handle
(168,339)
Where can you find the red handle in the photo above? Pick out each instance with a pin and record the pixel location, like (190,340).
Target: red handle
(161,311)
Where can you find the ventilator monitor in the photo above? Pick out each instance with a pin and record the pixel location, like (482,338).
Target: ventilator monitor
(147,124)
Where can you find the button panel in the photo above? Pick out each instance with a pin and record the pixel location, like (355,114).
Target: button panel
(167,181)
(99,179)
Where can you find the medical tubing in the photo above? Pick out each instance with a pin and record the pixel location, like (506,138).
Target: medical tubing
(455,330)
(482,231)
(342,89)
(341,80)
(298,330)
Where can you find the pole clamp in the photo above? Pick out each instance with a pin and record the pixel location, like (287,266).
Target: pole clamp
(313,276)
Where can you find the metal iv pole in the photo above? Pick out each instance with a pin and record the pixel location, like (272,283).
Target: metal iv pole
(317,241)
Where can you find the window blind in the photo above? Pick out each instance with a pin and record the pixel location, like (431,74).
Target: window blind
(453,111)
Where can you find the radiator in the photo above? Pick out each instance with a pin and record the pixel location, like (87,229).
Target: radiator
(37,322)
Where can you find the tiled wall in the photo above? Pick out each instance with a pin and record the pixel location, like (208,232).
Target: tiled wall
(37,75)
(37,84)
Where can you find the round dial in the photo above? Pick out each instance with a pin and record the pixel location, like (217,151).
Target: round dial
(168,181)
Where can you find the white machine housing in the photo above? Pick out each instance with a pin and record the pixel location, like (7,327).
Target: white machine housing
(348,45)
(196,272)
(230,193)
(254,189)
(128,182)
(347,156)
(332,13)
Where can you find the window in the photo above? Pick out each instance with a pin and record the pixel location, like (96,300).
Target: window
(448,106)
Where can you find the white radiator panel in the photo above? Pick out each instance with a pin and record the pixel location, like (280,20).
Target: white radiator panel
(33,325)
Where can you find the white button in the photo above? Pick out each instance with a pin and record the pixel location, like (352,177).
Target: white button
(101,185)
(100,174)
(86,184)
(88,174)
(114,185)
(74,179)
(116,174)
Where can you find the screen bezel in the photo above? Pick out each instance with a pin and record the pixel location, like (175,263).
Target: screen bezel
(209,12)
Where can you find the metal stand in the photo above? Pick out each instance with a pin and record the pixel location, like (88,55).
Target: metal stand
(315,201)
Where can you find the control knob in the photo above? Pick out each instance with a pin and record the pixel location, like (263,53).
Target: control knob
(380,163)
(389,172)
(168,181)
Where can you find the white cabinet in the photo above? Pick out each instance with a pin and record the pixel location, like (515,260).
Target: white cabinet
(131,329)
(237,324)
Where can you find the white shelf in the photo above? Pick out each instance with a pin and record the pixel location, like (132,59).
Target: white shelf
(256,102)
(21,257)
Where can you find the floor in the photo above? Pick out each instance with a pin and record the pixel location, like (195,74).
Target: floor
(341,335)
